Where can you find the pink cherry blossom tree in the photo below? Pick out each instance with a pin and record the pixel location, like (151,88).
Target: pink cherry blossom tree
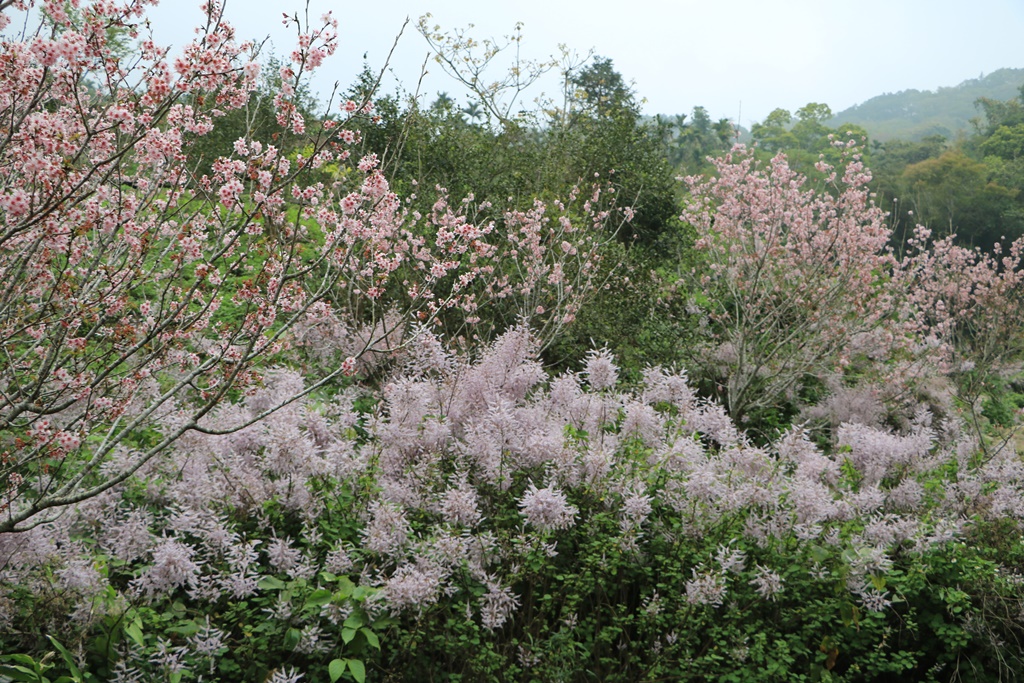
(966,305)
(795,277)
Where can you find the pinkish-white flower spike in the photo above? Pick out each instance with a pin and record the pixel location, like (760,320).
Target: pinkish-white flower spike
(547,509)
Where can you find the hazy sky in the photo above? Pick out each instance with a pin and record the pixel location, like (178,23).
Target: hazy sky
(678,53)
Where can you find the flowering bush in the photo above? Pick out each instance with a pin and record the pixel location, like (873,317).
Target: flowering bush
(137,292)
(482,519)
(966,305)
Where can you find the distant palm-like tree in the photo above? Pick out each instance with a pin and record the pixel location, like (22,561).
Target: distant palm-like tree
(474,112)
(443,102)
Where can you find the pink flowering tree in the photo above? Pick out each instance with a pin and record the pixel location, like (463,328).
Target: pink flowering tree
(965,305)
(137,295)
(795,277)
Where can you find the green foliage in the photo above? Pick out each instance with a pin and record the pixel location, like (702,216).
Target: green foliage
(22,667)
(599,611)
(804,139)
(690,143)
(1005,142)
(952,193)
(639,314)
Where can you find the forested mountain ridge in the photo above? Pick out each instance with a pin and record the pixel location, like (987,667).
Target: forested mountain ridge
(916,114)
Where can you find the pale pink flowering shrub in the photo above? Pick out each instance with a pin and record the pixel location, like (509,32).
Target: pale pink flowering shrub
(446,522)
(498,605)
(706,588)
(459,505)
(173,568)
(388,529)
(767,582)
(413,586)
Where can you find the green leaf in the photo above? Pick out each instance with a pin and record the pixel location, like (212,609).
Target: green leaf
(345,587)
(354,621)
(336,668)
(819,554)
(21,659)
(292,638)
(319,598)
(849,613)
(271,583)
(68,659)
(371,637)
(20,673)
(358,670)
(347,634)
(134,631)
(384,623)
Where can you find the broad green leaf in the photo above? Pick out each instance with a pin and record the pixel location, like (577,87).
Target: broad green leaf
(292,638)
(21,659)
(271,583)
(68,659)
(134,631)
(336,668)
(354,621)
(358,670)
(319,598)
(848,611)
(818,554)
(347,634)
(345,588)
(20,673)
(371,637)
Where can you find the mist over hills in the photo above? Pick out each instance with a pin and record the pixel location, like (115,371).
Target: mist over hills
(916,114)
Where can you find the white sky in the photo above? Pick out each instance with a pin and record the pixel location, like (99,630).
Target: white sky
(678,53)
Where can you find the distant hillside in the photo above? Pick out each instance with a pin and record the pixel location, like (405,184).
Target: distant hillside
(914,114)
